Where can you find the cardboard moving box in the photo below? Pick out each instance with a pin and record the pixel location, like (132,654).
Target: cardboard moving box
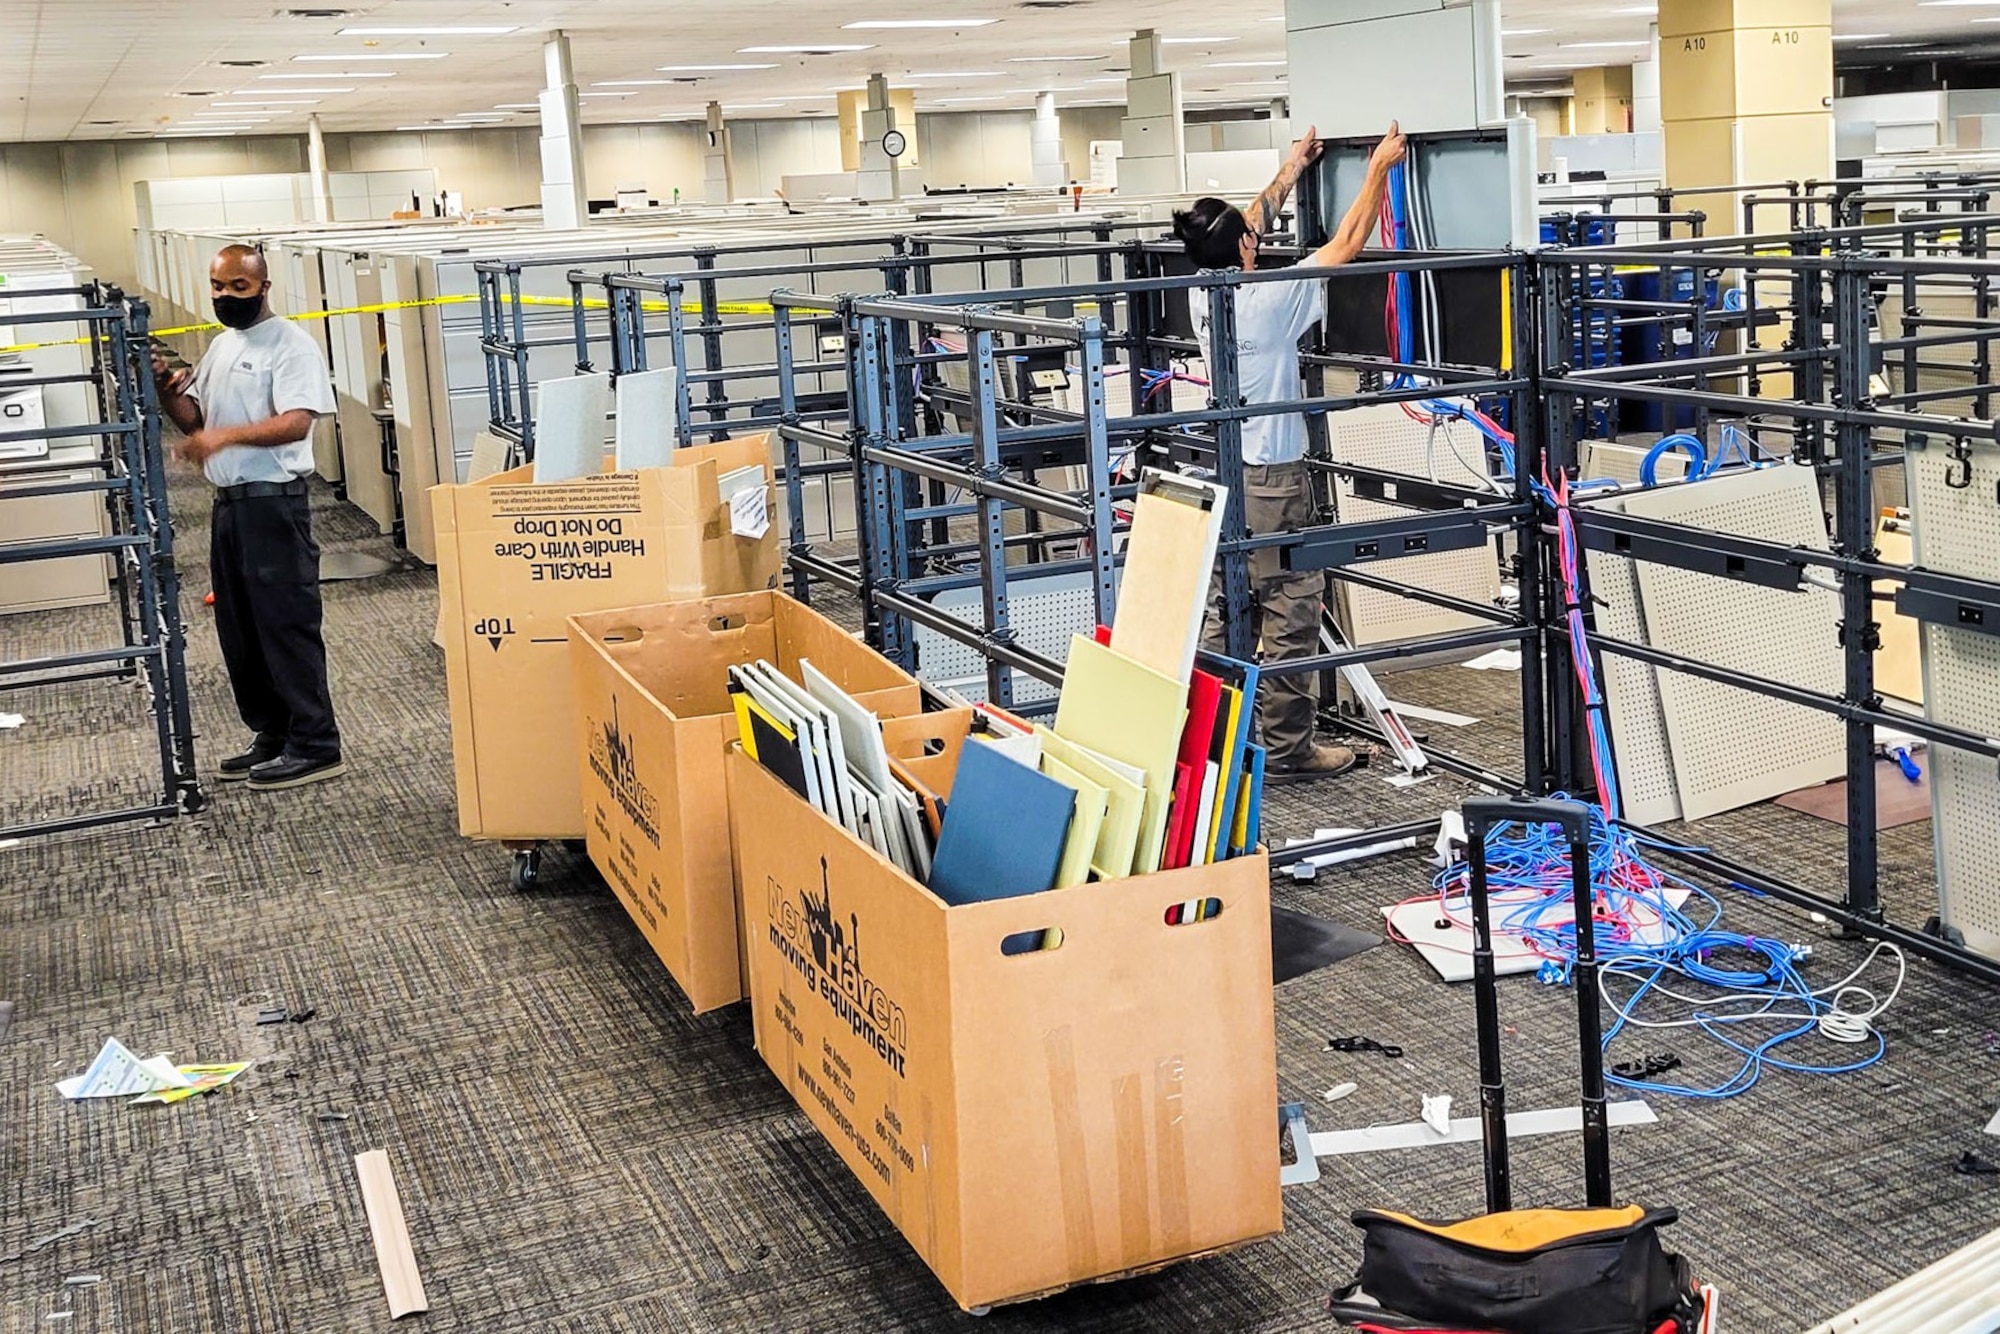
(654,721)
(1030,1120)
(516,560)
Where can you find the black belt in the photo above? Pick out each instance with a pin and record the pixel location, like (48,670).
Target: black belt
(253,490)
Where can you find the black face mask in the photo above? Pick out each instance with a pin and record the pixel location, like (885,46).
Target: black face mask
(239,312)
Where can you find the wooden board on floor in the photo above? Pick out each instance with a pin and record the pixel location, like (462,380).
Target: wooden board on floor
(400,1279)
(1898,801)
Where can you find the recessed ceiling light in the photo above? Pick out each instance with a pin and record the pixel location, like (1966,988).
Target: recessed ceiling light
(1877,36)
(1041,60)
(1524,32)
(268,102)
(1113,79)
(607,94)
(232,120)
(1210,41)
(1246,64)
(918,23)
(1606,46)
(378,55)
(218,131)
(518,106)
(425,32)
(819,49)
(633,83)
(474,115)
(959,74)
(1954,4)
(289,91)
(361,74)
(702,69)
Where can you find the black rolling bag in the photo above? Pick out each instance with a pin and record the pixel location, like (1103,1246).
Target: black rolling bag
(1596,1270)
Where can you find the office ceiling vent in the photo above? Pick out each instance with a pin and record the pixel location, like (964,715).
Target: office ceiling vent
(314,14)
(1052,4)
(243,64)
(198,93)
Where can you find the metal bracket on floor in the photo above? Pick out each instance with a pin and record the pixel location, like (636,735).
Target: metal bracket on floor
(1304,1169)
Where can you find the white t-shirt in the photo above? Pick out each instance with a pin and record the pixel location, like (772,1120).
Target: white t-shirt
(1270,320)
(254,374)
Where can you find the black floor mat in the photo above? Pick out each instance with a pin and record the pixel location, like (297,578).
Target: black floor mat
(1302,944)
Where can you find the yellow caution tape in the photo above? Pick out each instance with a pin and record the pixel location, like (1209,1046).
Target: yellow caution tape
(687,307)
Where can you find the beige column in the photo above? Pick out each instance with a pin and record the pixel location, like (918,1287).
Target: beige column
(1603,100)
(1746,90)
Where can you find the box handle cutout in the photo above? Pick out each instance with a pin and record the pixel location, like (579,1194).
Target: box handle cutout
(1032,942)
(623,634)
(1194,910)
(725,621)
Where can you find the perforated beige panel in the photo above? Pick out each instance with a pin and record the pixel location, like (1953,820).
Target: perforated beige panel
(1383,437)
(1638,727)
(1732,747)
(1957,531)
(1043,611)
(1639,743)
(1621,463)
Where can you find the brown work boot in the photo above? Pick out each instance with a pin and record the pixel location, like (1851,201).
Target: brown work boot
(1318,762)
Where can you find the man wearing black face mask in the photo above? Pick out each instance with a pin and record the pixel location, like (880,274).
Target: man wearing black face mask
(247,411)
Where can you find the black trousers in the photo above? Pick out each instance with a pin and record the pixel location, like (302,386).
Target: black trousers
(265,567)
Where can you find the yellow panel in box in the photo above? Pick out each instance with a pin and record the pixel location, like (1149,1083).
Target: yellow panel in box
(653,719)
(1034,1120)
(1678,18)
(515,560)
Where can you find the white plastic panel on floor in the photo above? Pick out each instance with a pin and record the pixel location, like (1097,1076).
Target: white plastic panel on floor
(1956,530)
(1732,747)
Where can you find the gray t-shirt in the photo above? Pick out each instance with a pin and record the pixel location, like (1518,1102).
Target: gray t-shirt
(1270,320)
(254,374)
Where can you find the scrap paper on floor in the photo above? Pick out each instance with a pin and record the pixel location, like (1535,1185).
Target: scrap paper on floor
(1499,660)
(118,1073)
(201,1079)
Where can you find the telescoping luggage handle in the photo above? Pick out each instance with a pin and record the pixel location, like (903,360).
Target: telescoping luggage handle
(1482,814)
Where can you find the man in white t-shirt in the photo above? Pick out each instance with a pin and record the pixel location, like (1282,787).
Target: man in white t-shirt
(1277,493)
(247,412)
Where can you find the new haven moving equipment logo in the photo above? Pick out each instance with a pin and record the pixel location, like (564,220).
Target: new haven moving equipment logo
(828,956)
(611,759)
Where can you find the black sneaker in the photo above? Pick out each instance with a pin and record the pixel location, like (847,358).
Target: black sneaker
(292,771)
(237,767)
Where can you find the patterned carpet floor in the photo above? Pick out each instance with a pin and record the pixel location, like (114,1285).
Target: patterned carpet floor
(577,1152)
